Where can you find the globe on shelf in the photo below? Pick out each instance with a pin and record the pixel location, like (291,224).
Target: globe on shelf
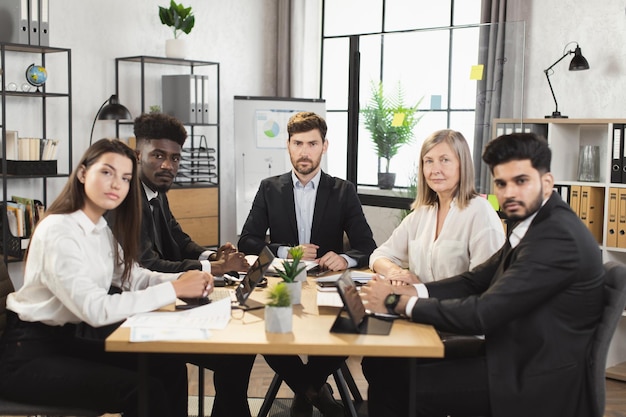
(36,75)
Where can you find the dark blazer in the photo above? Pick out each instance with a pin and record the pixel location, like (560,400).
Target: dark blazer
(177,251)
(538,306)
(337,210)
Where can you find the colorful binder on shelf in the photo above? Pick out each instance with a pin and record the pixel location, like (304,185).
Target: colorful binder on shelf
(591,209)
(621,218)
(611,226)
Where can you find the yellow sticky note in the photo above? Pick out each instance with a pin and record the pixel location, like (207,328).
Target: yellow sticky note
(477,72)
(494,201)
(398,119)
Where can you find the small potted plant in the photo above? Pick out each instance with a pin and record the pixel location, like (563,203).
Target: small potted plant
(181,20)
(390,123)
(278,310)
(294,273)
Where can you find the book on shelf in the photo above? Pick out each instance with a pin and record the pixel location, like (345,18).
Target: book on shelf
(11,144)
(33,149)
(19,213)
(34,210)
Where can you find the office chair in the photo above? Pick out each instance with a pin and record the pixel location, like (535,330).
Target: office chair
(11,408)
(614,303)
(345,385)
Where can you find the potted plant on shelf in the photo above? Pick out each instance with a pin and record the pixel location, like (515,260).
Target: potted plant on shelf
(278,310)
(293,273)
(181,20)
(390,123)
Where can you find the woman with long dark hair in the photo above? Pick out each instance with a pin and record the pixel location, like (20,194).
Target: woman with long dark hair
(73,260)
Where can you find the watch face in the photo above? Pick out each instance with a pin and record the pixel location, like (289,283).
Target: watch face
(391,300)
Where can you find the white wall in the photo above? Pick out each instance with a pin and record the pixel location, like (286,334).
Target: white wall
(239,34)
(600,29)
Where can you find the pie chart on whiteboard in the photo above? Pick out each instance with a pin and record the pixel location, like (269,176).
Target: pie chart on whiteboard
(271,129)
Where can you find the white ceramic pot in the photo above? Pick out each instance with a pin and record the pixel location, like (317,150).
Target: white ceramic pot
(295,291)
(176,48)
(301,277)
(278,319)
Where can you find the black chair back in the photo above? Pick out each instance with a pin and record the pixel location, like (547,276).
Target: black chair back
(614,303)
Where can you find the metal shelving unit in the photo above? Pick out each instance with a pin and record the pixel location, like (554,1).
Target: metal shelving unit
(43,98)
(200,165)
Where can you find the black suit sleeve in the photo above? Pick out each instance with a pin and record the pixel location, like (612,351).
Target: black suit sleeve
(357,229)
(254,232)
(180,252)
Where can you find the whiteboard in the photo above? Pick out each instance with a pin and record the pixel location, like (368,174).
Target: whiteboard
(261,143)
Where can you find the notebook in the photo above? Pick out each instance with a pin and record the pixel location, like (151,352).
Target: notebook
(353,317)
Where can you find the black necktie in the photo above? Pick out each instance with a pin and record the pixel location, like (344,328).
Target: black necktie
(156,221)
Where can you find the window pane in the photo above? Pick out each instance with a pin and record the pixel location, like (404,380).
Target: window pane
(466,12)
(464,60)
(347,17)
(416,14)
(464,121)
(419,60)
(335,73)
(336,156)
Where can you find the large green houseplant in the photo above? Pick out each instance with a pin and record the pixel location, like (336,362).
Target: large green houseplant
(390,123)
(181,20)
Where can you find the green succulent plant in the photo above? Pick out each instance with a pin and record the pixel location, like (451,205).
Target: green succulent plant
(178,17)
(291,269)
(278,296)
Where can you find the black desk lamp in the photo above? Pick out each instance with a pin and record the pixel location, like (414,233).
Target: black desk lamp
(112,111)
(578,63)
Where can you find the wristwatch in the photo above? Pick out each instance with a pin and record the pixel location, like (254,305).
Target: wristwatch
(391,302)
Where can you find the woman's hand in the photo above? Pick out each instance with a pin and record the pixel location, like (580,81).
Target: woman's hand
(399,276)
(193,284)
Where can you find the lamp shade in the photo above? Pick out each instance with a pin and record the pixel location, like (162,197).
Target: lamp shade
(111,109)
(579,62)
(114,110)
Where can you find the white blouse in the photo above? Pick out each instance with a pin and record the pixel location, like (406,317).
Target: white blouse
(69,270)
(468,237)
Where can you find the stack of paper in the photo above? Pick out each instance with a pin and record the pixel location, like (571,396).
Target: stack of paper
(194,324)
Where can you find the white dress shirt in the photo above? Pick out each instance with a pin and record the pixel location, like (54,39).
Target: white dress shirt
(468,237)
(69,270)
(304,200)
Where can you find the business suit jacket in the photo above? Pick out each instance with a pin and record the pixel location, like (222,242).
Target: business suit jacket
(538,306)
(337,210)
(177,251)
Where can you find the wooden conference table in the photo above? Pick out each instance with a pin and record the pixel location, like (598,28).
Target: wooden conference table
(245,334)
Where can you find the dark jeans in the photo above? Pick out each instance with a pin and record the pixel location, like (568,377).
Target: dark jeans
(47,365)
(456,387)
(300,376)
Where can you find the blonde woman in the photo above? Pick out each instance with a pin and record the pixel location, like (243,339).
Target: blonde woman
(451,228)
